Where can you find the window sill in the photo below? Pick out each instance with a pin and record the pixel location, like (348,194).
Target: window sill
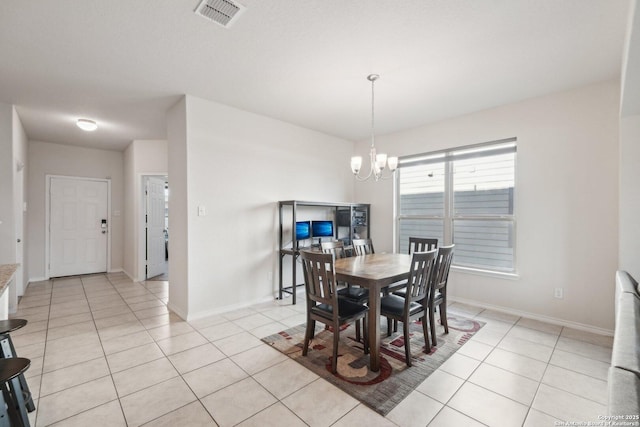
(489,273)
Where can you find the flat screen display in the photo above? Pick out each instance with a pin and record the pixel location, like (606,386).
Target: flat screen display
(303,230)
(322,228)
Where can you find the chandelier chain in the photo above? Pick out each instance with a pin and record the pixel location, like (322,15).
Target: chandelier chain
(373,133)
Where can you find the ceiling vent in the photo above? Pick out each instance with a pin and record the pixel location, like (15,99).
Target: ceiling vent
(222,12)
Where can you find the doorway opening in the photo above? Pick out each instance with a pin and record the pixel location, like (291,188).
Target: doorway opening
(155,227)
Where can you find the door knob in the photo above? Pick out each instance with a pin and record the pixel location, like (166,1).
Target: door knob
(19,240)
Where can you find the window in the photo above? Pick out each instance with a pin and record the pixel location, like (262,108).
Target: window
(463,196)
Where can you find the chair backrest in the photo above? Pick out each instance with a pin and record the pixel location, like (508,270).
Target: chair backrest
(362,246)
(420,277)
(335,248)
(421,244)
(443,265)
(319,278)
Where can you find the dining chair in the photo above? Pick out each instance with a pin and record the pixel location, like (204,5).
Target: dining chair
(362,246)
(335,248)
(323,304)
(438,292)
(416,244)
(421,244)
(414,305)
(354,294)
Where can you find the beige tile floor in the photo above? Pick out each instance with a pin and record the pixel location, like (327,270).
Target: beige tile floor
(105,351)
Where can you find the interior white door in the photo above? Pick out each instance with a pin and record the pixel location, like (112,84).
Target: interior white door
(156,249)
(77,226)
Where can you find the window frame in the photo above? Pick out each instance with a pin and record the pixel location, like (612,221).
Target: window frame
(448,218)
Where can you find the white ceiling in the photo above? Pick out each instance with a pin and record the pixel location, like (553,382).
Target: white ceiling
(123,63)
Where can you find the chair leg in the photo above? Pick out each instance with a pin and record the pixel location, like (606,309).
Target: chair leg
(311,327)
(365,330)
(358,330)
(388,327)
(336,340)
(443,316)
(407,342)
(313,330)
(395,325)
(425,331)
(8,350)
(432,324)
(15,387)
(15,408)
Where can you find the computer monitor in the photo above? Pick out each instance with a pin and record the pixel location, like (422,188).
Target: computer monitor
(303,230)
(322,228)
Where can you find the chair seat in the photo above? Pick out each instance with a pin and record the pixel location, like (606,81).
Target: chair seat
(438,298)
(397,286)
(10,325)
(355,294)
(346,308)
(394,305)
(401,293)
(12,367)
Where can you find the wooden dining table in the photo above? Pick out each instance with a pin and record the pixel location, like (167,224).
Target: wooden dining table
(374,272)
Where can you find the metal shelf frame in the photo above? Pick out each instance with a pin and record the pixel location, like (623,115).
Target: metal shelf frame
(294,251)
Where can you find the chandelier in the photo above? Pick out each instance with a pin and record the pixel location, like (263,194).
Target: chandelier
(378,160)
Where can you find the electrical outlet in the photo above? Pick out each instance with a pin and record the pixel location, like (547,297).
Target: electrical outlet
(558,293)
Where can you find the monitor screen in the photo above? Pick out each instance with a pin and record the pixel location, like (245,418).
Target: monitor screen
(322,228)
(303,230)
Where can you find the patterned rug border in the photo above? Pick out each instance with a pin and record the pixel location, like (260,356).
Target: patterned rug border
(384,390)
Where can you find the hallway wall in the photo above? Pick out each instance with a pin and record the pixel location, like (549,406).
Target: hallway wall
(56,159)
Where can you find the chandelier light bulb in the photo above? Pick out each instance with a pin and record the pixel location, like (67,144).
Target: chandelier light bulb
(356,164)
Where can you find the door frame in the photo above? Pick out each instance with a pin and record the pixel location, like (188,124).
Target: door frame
(142,237)
(47,215)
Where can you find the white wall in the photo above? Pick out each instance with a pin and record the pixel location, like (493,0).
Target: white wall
(19,198)
(7,231)
(630,195)
(12,151)
(238,165)
(142,157)
(56,159)
(179,217)
(566,201)
(630,150)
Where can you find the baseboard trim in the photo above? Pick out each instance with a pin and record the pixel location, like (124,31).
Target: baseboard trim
(178,312)
(126,274)
(36,279)
(225,309)
(534,316)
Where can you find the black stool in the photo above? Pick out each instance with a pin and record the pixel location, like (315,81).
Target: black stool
(13,411)
(7,351)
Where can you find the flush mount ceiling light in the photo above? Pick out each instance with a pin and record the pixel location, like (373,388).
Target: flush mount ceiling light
(377,161)
(86,124)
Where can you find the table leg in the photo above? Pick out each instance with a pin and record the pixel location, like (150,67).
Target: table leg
(374,329)
(294,279)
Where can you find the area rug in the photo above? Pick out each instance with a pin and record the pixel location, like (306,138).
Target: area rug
(383,390)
